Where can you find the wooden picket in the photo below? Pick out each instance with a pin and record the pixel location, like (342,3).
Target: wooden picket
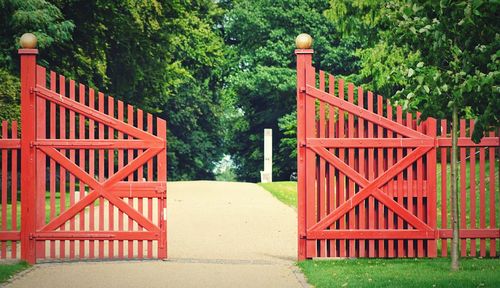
(367,178)
(83,188)
(10,147)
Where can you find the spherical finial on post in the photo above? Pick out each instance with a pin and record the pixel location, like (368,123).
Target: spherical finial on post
(28,41)
(304,41)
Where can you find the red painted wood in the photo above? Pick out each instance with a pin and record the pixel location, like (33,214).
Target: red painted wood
(351,192)
(41,182)
(362,213)
(472,191)
(28,165)
(321,197)
(342,176)
(162,177)
(332,182)
(371,168)
(130,120)
(4,170)
(471,233)
(482,199)
(310,159)
(91,165)
(149,179)
(462,185)
(82,182)
(399,155)
(381,251)
(140,246)
(492,191)
(409,177)
(121,247)
(14,190)
(431,167)
(72,188)
(52,186)
(390,159)
(62,171)
(101,177)
(444,190)
(111,171)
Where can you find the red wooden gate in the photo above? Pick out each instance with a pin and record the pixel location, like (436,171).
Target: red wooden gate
(94,184)
(367,174)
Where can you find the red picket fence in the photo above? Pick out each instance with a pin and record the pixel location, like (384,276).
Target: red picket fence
(369,180)
(10,146)
(93,182)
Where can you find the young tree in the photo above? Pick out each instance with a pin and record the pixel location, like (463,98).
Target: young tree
(440,58)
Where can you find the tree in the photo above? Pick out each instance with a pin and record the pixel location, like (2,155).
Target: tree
(440,58)
(260,35)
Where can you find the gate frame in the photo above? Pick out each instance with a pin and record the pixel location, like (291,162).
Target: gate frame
(29,234)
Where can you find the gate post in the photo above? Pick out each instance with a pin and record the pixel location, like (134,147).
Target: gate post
(304,61)
(28,165)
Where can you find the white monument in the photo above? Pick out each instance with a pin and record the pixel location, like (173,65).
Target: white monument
(266,176)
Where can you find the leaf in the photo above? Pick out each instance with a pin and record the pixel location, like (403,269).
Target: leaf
(426,88)
(410,72)
(420,64)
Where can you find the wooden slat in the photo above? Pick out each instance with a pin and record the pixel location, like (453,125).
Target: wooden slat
(4,173)
(444,190)
(310,119)
(321,206)
(62,171)
(41,161)
(409,176)
(463,184)
(369,142)
(332,181)
(81,135)
(100,101)
(472,191)
(162,177)
(72,188)
(390,162)
(482,199)
(368,234)
(371,167)
(14,190)
(150,178)
(120,166)
(139,125)
(342,176)
(130,118)
(350,131)
(399,155)
(111,171)
(52,170)
(380,169)
(91,164)
(361,217)
(492,193)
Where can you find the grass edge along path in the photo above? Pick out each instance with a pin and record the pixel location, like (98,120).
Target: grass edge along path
(401,273)
(285,191)
(10,269)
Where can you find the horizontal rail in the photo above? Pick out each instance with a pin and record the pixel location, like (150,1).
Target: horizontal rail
(371,234)
(98,143)
(467,142)
(10,143)
(470,233)
(150,189)
(10,235)
(369,142)
(105,235)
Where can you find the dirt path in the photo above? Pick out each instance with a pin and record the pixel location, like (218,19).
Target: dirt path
(219,235)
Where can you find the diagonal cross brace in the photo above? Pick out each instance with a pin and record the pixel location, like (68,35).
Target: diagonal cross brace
(99,190)
(95,115)
(370,188)
(363,113)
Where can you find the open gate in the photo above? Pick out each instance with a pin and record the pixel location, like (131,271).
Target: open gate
(96,172)
(367,182)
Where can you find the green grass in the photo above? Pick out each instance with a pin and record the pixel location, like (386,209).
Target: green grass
(7,270)
(401,273)
(285,191)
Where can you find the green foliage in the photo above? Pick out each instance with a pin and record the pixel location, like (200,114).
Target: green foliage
(165,57)
(430,55)
(9,96)
(260,35)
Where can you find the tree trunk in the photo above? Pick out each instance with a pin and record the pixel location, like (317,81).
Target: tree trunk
(454,191)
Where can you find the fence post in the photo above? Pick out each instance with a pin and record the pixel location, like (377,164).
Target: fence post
(304,61)
(28,165)
(432,188)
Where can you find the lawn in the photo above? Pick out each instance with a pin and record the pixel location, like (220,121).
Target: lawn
(285,191)
(7,270)
(401,273)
